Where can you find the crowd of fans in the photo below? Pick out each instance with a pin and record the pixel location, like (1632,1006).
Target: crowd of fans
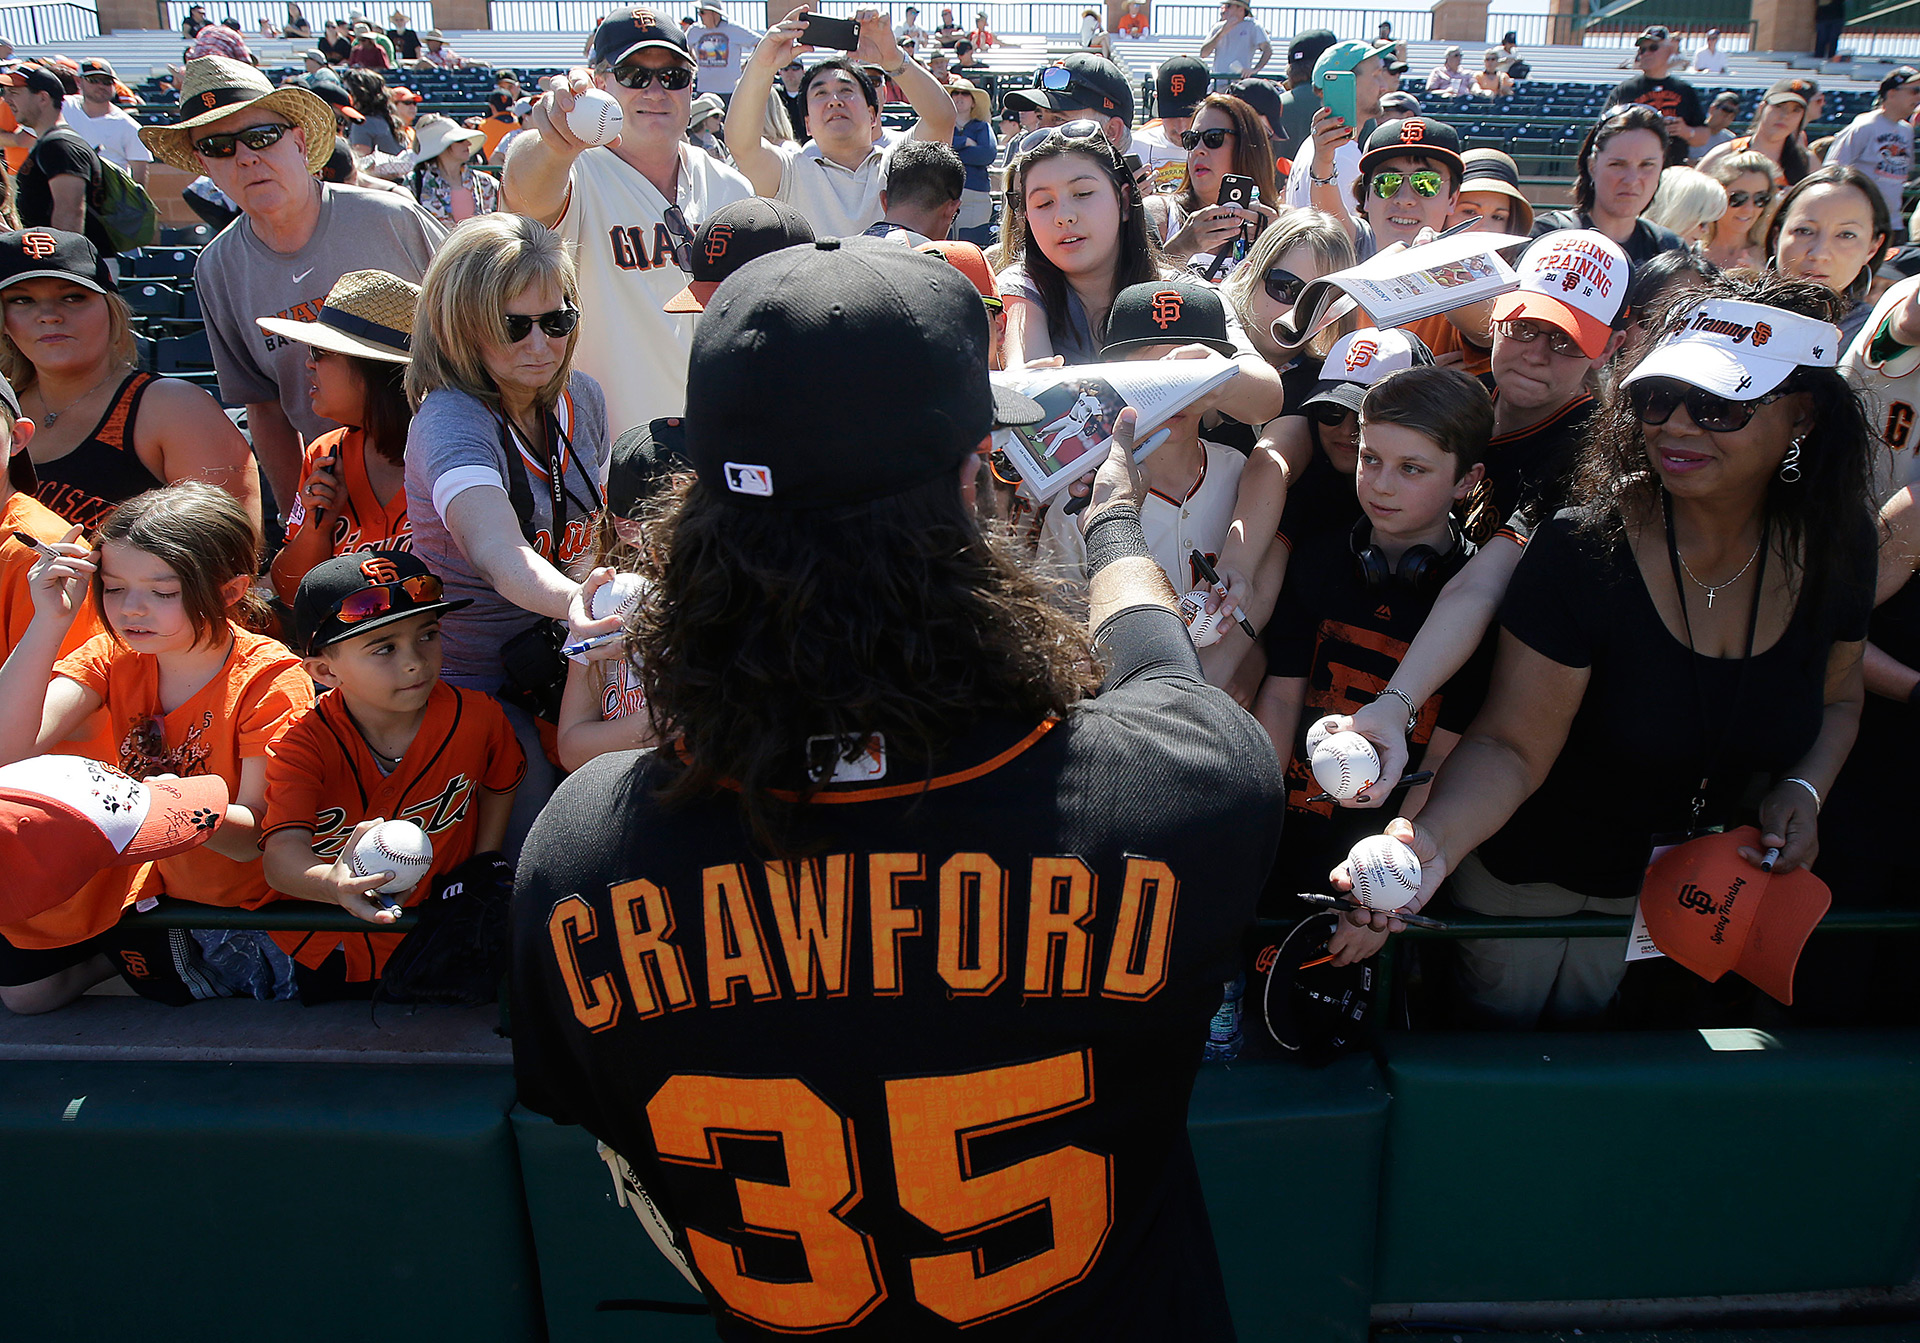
(462,349)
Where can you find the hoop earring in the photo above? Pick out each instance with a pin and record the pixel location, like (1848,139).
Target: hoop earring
(1790,464)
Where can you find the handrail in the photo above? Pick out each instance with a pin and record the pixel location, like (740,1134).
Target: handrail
(286,916)
(30,23)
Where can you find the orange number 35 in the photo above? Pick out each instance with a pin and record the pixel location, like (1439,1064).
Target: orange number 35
(932,1123)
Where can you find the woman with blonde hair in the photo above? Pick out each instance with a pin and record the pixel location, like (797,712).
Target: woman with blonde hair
(1739,237)
(1688,202)
(503,462)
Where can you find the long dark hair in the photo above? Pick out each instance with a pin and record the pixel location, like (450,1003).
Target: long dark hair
(1795,163)
(368,89)
(201,533)
(903,617)
(1252,150)
(1140,259)
(386,417)
(1631,117)
(1835,174)
(1824,519)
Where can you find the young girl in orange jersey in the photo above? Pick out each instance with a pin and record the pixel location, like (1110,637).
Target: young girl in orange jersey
(353,493)
(186,690)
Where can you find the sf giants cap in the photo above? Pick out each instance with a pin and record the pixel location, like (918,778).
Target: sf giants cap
(629,30)
(730,238)
(1082,81)
(877,354)
(1358,361)
(1179,85)
(323,607)
(1739,350)
(1713,911)
(1573,280)
(1420,136)
(63,818)
(1179,311)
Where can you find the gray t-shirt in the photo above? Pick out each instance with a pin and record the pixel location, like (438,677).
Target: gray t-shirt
(374,133)
(1079,345)
(239,278)
(1239,49)
(458,442)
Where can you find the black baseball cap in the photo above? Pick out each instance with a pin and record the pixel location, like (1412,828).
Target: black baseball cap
(642,461)
(1389,54)
(333,95)
(35,77)
(93,65)
(1180,311)
(1422,136)
(731,237)
(1307,46)
(1179,85)
(404,584)
(1262,95)
(620,35)
(827,375)
(1906,74)
(51,253)
(1082,81)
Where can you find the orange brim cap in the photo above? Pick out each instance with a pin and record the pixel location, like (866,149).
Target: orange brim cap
(1712,911)
(1588,331)
(693,298)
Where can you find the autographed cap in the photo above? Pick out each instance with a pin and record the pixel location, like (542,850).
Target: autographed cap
(353,594)
(1738,349)
(1307,46)
(1358,361)
(1713,911)
(63,818)
(813,330)
(1422,137)
(1573,280)
(1180,311)
(629,30)
(1179,85)
(731,237)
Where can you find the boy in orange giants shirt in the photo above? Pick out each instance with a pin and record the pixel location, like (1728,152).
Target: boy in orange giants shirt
(389,740)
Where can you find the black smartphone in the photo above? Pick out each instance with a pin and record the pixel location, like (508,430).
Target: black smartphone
(1236,190)
(825,31)
(1133,163)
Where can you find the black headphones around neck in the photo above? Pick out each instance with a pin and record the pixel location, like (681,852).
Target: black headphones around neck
(1422,570)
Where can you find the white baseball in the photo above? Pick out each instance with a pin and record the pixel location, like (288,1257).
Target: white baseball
(1385,872)
(1205,627)
(595,118)
(1319,732)
(399,847)
(1345,764)
(618,595)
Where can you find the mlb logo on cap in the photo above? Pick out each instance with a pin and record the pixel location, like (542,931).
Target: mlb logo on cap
(1573,280)
(745,479)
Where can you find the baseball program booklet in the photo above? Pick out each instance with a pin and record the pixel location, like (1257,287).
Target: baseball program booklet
(1400,287)
(1082,402)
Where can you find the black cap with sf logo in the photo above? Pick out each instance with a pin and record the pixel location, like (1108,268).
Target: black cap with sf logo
(731,237)
(1180,311)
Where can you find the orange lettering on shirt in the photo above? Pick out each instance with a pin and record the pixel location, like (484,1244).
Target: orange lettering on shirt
(887,921)
(596,1003)
(1143,932)
(1060,903)
(736,950)
(810,915)
(656,969)
(971,951)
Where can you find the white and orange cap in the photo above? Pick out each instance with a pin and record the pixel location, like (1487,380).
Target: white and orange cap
(1739,350)
(1573,280)
(1358,361)
(63,818)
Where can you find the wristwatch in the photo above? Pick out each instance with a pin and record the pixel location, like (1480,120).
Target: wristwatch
(1413,710)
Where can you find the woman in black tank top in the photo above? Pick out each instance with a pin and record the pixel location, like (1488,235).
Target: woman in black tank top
(103,432)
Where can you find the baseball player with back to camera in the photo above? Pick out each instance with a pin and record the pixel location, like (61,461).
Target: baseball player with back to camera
(889,977)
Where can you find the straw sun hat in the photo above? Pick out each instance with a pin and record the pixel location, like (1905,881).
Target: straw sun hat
(367,313)
(215,87)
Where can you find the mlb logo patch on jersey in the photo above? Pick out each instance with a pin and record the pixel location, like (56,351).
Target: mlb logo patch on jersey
(865,764)
(743,478)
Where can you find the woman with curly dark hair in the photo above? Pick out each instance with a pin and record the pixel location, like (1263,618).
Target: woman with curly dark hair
(1681,653)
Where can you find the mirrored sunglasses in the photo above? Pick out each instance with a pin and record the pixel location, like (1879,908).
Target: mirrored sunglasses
(1761,199)
(558,323)
(1283,286)
(1528,332)
(673,77)
(256,138)
(1426,182)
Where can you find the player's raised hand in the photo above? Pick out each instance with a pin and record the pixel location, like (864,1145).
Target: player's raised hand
(59,578)
(355,893)
(1434,867)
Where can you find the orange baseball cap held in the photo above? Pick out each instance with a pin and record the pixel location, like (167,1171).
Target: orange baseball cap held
(1713,911)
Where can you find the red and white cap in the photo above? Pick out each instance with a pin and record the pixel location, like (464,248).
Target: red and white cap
(63,818)
(1739,350)
(1574,280)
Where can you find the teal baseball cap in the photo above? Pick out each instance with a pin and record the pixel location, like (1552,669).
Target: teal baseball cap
(1342,56)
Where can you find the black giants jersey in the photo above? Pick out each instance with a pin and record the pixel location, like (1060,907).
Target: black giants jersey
(933,1077)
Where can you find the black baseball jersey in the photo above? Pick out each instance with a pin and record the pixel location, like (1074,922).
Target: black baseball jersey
(933,1076)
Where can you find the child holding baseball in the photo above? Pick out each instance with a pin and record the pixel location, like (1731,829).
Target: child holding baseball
(187,690)
(1354,600)
(388,740)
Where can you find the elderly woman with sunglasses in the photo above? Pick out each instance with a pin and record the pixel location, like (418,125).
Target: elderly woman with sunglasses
(1226,138)
(1680,653)
(503,463)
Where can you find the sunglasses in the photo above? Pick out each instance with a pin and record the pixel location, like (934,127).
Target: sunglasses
(97,79)
(1527,333)
(673,77)
(1426,182)
(1655,399)
(1081,128)
(682,234)
(1056,79)
(558,323)
(1327,414)
(1212,139)
(1761,199)
(1283,286)
(256,138)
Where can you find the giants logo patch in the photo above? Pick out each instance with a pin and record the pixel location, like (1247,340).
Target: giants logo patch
(716,246)
(379,569)
(1177,83)
(1413,132)
(1570,281)
(1361,354)
(1166,308)
(1762,333)
(38,244)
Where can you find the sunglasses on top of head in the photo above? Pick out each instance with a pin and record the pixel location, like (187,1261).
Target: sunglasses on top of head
(559,323)
(256,138)
(1081,128)
(1212,138)
(1655,399)
(672,77)
(377,601)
